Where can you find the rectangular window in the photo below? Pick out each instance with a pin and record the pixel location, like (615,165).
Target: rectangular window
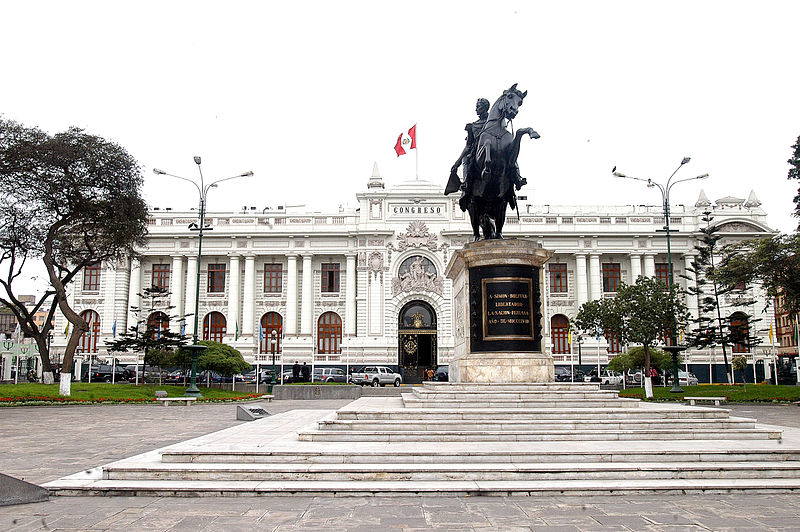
(662,272)
(611,276)
(161,276)
(216,278)
(558,278)
(273,277)
(91,278)
(330,277)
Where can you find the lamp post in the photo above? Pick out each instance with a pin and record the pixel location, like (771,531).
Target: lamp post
(674,349)
(273,342)
(195,349)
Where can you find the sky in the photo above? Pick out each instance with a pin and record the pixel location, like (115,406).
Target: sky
(309,94)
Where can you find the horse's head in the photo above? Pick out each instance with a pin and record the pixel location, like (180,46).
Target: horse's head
(512,99)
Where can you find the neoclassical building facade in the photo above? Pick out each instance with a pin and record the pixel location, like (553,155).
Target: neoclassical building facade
(367,286)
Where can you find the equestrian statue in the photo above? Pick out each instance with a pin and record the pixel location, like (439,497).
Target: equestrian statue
(489,160)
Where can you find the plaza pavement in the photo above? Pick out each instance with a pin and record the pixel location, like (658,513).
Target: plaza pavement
(44,443)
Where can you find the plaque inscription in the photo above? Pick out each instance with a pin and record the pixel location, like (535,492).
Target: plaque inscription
(508,308)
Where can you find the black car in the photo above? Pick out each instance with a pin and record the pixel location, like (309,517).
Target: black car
(103,373)
(562,374)
(442,374)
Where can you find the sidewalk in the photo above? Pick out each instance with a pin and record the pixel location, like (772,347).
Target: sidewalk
(45,443)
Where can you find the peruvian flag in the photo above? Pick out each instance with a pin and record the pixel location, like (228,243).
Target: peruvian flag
(406,141)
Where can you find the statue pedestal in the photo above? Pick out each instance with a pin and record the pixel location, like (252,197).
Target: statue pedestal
(497,312)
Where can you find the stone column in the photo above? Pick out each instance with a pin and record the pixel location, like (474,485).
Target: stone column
(306,306)
(233,296)
(350,296)
(580,279)
(291,296)
(692,302)
(595,286)
(191,296)
(134,288)
(248,298)
(650,265)
(108,284)
(636,267)
(176,287)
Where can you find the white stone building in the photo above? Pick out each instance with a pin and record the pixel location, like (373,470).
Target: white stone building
(367,285)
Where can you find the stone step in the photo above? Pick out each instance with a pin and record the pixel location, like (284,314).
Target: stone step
(514,395)
(440,455)
(566,386)
(513,425)
(449,472)
(429,488)
(412,402)
(491,414)
(537,435)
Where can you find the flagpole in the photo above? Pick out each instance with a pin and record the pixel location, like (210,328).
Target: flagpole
(416,152)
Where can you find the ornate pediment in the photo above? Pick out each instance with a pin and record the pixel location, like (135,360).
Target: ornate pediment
(417,274)
(739,227)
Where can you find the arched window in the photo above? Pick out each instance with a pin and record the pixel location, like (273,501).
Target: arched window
(740,332)
(329,333)
(157,324)
(559,331)
(214,327)
(271,321)
(89,338)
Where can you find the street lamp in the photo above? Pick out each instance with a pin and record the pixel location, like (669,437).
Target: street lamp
(195,349)
(673,348)
(273,341)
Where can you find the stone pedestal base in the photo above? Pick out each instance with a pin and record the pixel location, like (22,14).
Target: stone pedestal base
(502,367)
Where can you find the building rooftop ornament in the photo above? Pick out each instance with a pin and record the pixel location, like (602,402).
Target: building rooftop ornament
(702,200)
(375,181)
(752,200)
(729,201)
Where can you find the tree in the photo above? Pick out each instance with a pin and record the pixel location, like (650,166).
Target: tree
(794,173)
(709,328)
(151,335)
(773,262)
(642,313)
(635,359)
(70,200)
(740,365)
(223,359)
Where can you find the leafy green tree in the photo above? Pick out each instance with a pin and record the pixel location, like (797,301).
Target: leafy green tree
(634,359)
(794,173)
(70,200)
(740,365)
(150,334)
(642,313)
(223,359)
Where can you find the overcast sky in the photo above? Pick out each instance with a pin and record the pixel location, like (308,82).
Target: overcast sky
(308,94)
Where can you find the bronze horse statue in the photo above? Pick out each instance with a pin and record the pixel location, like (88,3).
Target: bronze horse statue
(491,173)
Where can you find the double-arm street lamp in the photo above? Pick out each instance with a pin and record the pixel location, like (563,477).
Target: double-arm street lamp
(665,189)
(202,189)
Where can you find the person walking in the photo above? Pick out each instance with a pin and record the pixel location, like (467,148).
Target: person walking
(296,371)
(306,371)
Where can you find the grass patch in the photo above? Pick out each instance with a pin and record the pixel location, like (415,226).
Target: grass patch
(756,393)
(33,393)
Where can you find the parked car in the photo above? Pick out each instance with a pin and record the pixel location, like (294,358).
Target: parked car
(562,374)
(329,375)
(606,377)
(442,374)
(684,379)
(103,373)
(174,377)
(377,376)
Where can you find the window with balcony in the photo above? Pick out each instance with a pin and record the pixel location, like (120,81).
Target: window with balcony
(160,276)
(273,278)
(612,276)
(330,277)
(216,278)
(558,278)
(91,278)
(559,334)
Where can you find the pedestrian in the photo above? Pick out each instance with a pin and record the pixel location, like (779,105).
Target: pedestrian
(429,374)
(305,370)
(296,371)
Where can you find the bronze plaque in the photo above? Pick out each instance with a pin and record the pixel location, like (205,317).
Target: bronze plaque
(507,308)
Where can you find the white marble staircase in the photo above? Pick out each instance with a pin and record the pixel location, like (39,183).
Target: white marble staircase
(468,439)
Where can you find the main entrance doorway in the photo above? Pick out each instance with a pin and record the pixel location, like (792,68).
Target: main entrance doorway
(416,341)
